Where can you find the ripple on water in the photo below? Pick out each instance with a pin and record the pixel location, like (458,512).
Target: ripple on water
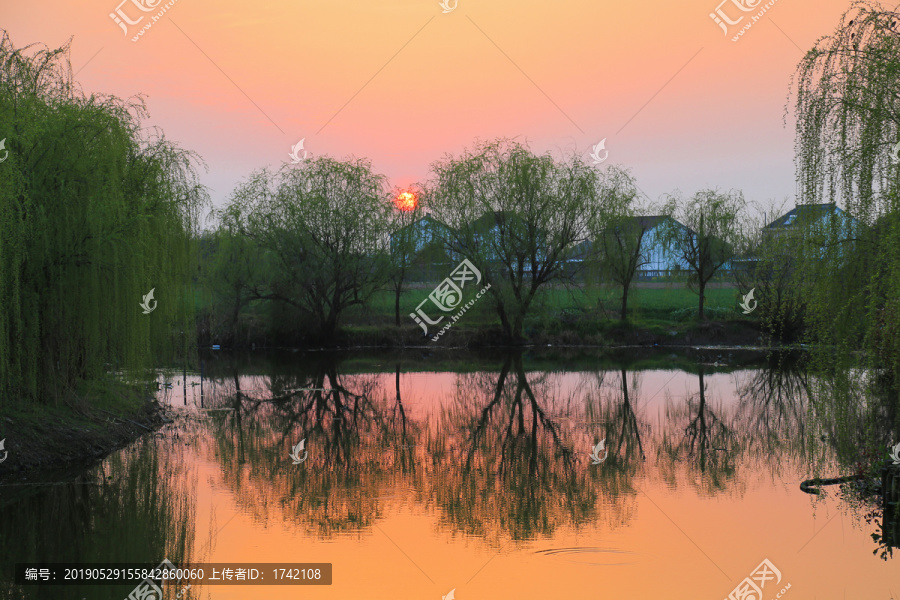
(601,556)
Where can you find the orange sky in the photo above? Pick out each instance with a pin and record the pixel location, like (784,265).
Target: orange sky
(402,83)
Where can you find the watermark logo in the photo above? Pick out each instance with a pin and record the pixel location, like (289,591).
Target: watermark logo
(721,17)
(295,454)
(601,147)
(295,152)
(123,20)
(751,587)
(5,452)
(147,589)
(595,452)
(895,154)
(3,147)
(724,20)
(146,303)
(450,596)
(895,454)
(447,296)
(448,7)
(746,303)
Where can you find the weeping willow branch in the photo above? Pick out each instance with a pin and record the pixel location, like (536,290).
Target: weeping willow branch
(94,212)
(847,99)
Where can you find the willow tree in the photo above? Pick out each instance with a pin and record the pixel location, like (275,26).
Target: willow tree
(621,243)
(847,101)
(706,231)
(94,213)
(772,267)
(322,226)
(516,216)
(408,238)
(230,263)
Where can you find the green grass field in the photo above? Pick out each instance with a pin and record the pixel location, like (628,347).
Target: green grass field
(674,303)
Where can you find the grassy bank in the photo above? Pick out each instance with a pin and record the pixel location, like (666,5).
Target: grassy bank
(646,301)
(89,423)
(658,314)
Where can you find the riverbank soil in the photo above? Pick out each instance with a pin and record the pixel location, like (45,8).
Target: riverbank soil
(588,332)
(75,431)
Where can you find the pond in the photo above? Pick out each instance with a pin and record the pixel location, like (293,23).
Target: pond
(466,475)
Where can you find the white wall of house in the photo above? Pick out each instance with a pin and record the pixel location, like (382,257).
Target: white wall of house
(659,258)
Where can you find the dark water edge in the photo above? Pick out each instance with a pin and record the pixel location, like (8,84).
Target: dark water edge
(591,334)
(55,443)
(143,504)
(72,441)
(546,357)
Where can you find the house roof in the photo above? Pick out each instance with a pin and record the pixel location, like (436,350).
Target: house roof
(649,222)
(494,218)
(424,221)
(804,213)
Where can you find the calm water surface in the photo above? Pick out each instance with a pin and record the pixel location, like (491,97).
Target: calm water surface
(427,474)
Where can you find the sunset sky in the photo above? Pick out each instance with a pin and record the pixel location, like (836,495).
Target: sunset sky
(403,83)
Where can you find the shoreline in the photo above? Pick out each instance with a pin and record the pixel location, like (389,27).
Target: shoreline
(724,333)
(49,443)
(53,442)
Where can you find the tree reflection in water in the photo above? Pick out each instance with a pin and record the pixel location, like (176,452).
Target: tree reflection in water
(352,429)
(521,474)
(505,455)
(703,439)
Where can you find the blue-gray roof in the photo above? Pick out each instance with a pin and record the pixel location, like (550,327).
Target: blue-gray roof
(805,213)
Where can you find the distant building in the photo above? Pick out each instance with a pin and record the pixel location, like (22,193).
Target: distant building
(659,261)
(421,245)
(489,230)
(807,221)
(418,235)
(811,218)
(822,223)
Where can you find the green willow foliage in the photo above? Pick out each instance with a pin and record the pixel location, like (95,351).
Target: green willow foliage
(708,234)
(848,121)
(517,216)
(317,233)
(94,212)
(772,269)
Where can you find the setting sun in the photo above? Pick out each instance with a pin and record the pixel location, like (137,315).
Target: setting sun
(407,201)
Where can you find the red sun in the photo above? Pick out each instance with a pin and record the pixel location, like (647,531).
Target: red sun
(406,201)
